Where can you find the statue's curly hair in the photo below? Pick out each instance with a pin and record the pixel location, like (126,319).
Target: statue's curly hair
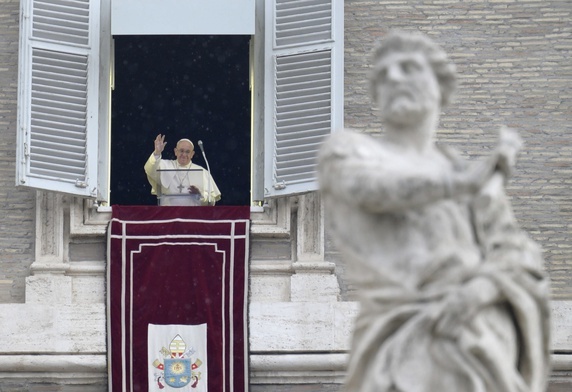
(443,68)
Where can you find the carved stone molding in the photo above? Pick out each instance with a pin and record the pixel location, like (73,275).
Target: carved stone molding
(298,368)
(86,219)
(273,220)
(54,369)
(51,238)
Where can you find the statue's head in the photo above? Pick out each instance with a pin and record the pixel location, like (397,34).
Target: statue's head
(422,50)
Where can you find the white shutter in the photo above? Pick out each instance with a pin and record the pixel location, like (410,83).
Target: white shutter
(303,89)
(58,96)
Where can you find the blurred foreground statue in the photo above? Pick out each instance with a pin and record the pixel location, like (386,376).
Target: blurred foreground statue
(453,294)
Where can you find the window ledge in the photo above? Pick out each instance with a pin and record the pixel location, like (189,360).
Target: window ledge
(272,220)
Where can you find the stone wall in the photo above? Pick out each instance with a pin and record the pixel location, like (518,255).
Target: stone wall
(512,58)
(513,62)
(16,204)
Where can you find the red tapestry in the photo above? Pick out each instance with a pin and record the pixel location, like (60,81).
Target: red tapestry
(178,266)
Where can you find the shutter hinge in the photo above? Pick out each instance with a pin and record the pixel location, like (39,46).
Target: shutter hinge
(26,150)
(80,184)
(279,186)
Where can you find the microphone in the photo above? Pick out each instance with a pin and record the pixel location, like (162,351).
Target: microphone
(200,143)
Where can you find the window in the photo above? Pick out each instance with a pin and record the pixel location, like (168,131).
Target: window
(192,86)
(64,90)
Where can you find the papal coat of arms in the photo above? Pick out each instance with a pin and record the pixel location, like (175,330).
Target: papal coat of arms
(177,366)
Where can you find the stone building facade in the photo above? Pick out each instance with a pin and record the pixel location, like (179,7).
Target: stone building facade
(513,63)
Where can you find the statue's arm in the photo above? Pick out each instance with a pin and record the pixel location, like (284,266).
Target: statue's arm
(356,174)
(379,186)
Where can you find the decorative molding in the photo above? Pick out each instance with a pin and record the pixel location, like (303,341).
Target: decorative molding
(330,368)
(270,268)
(314,267)
(58,364)
(298,368)
(89,268)
(87,219)
(51,241)
(309,228)
(273,220)
(54,369)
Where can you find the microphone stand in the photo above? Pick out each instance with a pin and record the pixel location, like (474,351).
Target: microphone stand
(209,171)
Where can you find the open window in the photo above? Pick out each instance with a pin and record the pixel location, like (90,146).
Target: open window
(182,86)
(64,93)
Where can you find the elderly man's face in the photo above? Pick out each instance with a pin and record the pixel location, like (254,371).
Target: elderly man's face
(406,87)
(184,153)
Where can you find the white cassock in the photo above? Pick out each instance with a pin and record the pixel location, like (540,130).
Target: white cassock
(175,180)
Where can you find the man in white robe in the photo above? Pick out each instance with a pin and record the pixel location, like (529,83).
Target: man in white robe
(182,182)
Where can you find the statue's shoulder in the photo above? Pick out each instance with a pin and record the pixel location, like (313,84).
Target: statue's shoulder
(452,155)
(345,143)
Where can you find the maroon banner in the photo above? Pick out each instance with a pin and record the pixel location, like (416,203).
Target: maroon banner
(178,266)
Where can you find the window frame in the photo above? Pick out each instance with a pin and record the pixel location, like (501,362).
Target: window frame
(99,126)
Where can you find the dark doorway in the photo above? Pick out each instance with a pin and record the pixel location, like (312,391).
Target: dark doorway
(194,87)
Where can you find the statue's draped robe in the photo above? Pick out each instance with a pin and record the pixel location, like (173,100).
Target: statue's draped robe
(503,347)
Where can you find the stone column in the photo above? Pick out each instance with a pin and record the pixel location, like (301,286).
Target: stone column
(314,279)
(48,282)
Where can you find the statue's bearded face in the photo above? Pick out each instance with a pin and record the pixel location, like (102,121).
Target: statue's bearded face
(406,88)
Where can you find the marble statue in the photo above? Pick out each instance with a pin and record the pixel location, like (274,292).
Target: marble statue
(453,294)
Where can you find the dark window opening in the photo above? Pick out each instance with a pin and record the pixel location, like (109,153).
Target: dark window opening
(181,86)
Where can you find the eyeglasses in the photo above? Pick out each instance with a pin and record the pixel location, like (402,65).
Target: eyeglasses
(185,151)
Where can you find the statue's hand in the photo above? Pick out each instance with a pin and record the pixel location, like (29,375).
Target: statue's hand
(456,309)
(472,179)
(461,305)
(509,145)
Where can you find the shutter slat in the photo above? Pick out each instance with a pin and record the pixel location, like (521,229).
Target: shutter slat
(300,171)
(60,53)
(302,116)
(302,112)
(317,91)
(47,25)
(64,177)
(311,80)
(60,59)
(62,22)
(64,73)
(310,144)
(61,106)
(302,108)
(297,160)
(297,6)
(303,134)
(59,112)
(46,158)
(48,138)
(302,22)
(300,29)
(52,94)
(62,122)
